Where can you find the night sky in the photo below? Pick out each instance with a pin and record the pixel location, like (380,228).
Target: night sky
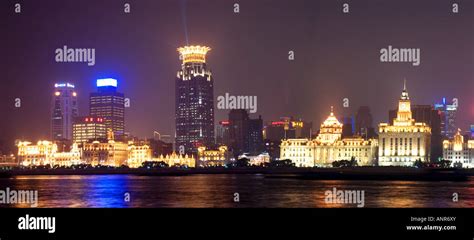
(336,56)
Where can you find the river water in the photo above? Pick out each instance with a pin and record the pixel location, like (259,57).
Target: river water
(222,191)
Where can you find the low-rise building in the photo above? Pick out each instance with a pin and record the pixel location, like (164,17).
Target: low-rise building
(36,155)
(213,157)
(177,160)
(329,146)
(256,160)
(459,151)
(110,153)
(66,159)
(138,154)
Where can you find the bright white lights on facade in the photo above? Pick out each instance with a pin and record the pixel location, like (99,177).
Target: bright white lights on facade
(60,85)
(107,82)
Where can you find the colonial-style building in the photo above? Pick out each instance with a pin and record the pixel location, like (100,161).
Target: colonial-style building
(213,157)
(458,151)
(256,160)
(46,153)
(67,159)
(110,153)
(329,146)
(36,155)
(406,141)
(177,160)
(138,153)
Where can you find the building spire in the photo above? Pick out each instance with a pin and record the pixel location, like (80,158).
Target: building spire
(405,92)
(332,110)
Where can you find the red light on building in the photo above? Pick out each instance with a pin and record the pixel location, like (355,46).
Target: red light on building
(224,122)
(278,123)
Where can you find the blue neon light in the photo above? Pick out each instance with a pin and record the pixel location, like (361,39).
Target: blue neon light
(107,82)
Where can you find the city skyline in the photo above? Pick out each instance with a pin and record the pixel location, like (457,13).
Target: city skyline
(305,79)
(329,106)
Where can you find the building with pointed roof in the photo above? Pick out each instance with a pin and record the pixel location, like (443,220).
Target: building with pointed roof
(405,141)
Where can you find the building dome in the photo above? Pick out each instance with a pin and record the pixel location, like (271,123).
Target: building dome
(331,121)
(331,129)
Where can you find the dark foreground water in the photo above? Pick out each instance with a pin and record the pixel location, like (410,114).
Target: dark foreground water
(218,191)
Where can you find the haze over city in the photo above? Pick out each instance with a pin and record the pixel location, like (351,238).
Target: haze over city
(336,57)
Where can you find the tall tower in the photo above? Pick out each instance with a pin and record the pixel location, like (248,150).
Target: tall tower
(194,94)
(64,110)
(108,104)
(404,106)
(448,117)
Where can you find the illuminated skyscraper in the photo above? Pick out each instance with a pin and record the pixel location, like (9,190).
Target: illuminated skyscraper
(194,100)
(88,128)
(448,117)
(64,110)
(108,104)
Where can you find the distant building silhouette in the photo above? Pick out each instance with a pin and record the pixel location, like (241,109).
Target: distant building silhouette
(448,118)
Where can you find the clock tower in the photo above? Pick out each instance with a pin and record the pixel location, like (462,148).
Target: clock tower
(406,141)
(404,106)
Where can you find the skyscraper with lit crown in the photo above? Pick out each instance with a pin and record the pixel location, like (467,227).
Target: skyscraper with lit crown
(64,110)
(109,104)
(194,100)
(405,141)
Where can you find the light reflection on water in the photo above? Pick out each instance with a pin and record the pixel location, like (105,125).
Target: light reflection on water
(218,191)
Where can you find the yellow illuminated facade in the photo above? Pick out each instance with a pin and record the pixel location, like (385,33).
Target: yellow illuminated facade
(406,141)
(458,151)
(329,146)
(194,63)
(110,153)
(256,160)
(46,153)
(212,157)
(137,154)
(36,155)
(8,161)
(193,54)
(176,160)
(67,159)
